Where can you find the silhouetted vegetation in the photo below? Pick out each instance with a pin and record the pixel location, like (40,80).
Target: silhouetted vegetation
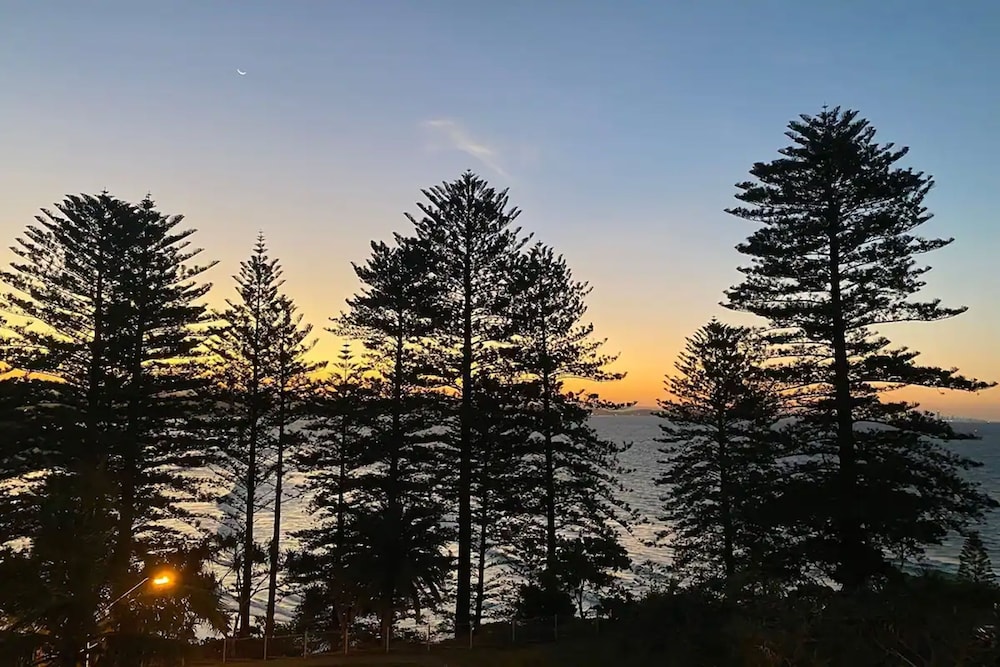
(926,620)
(103,326)
(833,259)
(723,471)
(974,563)
(448,456)
(258,373)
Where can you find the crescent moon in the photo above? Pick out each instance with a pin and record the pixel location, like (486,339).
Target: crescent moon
(241,72)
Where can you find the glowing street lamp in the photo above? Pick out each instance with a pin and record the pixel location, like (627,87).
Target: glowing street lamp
(161,580)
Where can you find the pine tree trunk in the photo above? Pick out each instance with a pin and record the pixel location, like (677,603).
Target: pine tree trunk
(126,622)
(126,513)
(392,491)
(463,597)
(386,622)
(341,505)
(726,510)
(253,398)
(95,374)
(852,570)
(279,472)
(388,596)
(550,469)
(341,481)
(481,574)
(345,626)
(484,518)
(248,539)
(80,621)
(130,470)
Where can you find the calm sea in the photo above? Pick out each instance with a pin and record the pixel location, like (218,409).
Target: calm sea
(641,431)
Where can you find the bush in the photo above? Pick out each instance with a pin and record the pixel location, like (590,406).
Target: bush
(536,600)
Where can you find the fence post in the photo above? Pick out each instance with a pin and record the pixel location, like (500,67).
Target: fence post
(305,644)
(513,631)
(265,646)
(555,628)
(225,644)
(470,635)
(428,636)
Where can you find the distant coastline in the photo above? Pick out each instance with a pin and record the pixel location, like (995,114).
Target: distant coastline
(627,412)
(647,411)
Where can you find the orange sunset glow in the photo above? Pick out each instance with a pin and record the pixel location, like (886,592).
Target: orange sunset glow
(447,332)
(322,159)
(645,306)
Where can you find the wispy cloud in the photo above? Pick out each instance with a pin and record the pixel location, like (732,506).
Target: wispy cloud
(459,138)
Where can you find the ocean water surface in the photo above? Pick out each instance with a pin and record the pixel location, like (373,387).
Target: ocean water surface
(641,459)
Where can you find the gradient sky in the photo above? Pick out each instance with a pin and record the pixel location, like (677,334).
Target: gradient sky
(620,128)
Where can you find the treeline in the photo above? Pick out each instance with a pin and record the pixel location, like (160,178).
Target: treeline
(445,459)
(128,405)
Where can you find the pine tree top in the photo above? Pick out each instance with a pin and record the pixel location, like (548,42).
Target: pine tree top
(974,561)
(835,255)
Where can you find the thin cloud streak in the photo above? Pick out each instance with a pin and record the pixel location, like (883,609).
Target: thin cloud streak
(460,139)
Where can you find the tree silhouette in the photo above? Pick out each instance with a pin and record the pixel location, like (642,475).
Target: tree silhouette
(721,472)
(291,380)
(467,230)
(974,563)
(573,468)
(245,345)
(590,561)
(501,429)
(834,258)
(333,569)
(105,327)
(395,475)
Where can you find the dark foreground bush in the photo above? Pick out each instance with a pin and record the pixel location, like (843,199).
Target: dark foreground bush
(930,620)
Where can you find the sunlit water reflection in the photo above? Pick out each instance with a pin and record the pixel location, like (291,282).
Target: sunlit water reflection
(643,495)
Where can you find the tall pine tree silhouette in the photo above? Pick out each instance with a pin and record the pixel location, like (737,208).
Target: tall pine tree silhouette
(333,566)
(833,259)
(246,346)
(467,230)
(107,321)
(575,474)
(398,510)
(292,387)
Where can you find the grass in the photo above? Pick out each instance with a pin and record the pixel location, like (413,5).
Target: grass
(570,653)
(338,660)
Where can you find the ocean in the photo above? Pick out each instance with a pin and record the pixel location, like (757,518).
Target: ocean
(641,431)
(641,459)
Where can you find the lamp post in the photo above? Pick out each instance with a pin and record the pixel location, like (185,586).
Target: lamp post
(159,581)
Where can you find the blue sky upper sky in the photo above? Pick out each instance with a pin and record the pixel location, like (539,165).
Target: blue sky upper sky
(620,128)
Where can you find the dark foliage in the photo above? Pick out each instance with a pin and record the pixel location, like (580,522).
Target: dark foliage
(260,374)
(571,472)
(374,456)
(103,317)
(834,258)
(974,563)
(467,230)
(722,474)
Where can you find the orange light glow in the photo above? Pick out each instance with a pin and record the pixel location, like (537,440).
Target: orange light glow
(162,580)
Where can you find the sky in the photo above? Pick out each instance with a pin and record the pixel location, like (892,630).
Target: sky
(620,129)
